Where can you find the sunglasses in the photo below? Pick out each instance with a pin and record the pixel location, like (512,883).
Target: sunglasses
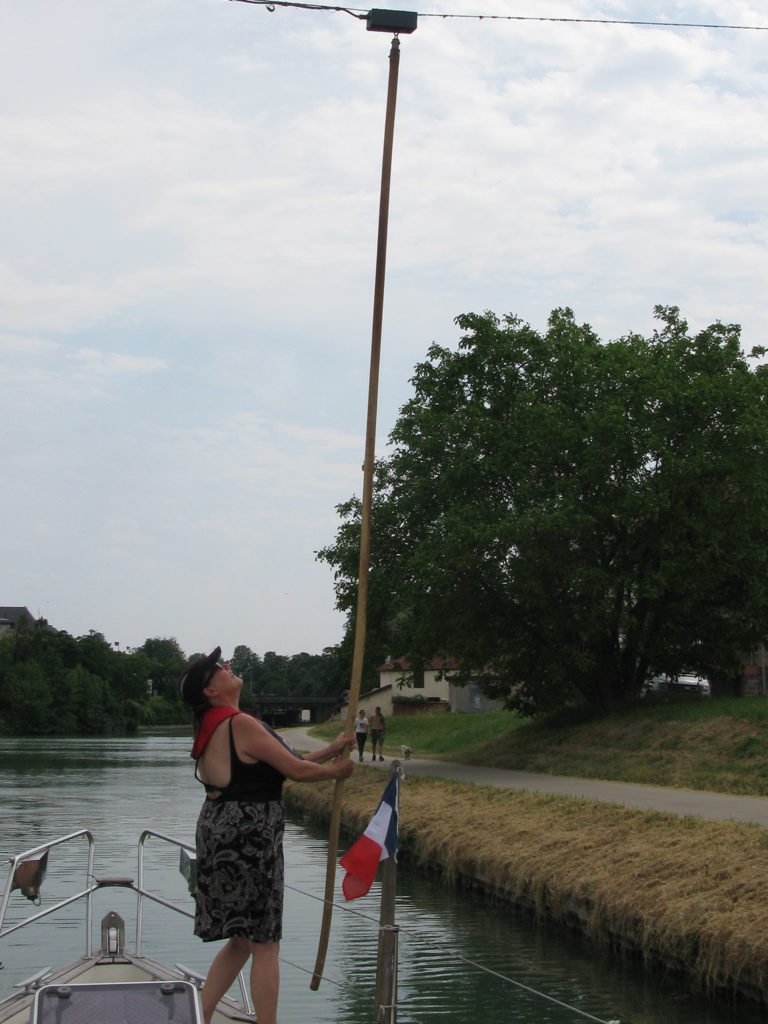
(219,665)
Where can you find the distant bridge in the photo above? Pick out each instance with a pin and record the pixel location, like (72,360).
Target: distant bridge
(281,711)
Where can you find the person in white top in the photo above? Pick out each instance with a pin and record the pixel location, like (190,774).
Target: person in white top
(361,733)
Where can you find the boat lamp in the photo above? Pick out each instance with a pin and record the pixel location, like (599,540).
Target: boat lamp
(28,878)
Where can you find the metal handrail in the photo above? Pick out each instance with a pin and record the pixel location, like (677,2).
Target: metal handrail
(92,884)
(142,893)
(87,892)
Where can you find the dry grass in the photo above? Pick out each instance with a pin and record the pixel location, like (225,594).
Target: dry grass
(687,892)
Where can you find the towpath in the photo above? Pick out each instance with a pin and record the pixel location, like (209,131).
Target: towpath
(715,806)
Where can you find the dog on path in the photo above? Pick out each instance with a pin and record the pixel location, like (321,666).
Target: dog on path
(406,752)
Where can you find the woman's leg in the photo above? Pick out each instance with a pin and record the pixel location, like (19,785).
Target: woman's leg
(226,966)
(361,738)
(265,980)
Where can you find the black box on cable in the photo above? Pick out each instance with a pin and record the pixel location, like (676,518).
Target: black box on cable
(391,21)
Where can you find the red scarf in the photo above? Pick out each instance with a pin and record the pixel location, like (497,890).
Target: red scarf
(212,718)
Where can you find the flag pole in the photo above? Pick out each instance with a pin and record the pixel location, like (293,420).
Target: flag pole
(382,21)
(386,957)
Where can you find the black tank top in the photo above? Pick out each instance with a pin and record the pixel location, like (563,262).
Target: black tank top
(257,782)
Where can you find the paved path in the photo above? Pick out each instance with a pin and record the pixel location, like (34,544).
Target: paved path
(715,806)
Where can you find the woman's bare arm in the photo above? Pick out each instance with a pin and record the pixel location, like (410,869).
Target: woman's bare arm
(253,740)
(334,749)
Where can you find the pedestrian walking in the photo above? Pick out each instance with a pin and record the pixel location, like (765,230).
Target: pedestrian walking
(361,733)
(378,729)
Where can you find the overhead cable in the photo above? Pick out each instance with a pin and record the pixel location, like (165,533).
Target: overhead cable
(600,21)
(272,4)
(357,12)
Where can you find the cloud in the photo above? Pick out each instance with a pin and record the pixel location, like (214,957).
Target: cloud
(190,205)
(95,363)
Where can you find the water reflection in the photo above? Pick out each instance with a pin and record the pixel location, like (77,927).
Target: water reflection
(119,787)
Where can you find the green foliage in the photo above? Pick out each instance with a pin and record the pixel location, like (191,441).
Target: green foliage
(54,684)
(315,675)
(160,711)
(26,687)
(570,516)
(164,660)
(88,693)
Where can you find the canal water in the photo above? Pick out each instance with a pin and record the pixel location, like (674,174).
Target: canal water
(463,958)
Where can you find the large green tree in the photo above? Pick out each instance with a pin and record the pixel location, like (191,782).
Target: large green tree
(247,664)
(165,660)
(306,674)
(568,516)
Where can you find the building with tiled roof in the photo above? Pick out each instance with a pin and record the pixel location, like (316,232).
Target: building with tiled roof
(405,691)
(11,617)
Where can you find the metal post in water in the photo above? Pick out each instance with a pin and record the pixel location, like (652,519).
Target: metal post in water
(385,1011)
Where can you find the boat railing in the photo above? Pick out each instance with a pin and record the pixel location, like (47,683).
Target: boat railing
(187,866)
(27,870)
(142,893)
(38,856)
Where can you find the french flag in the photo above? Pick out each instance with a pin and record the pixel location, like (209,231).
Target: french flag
(378,842)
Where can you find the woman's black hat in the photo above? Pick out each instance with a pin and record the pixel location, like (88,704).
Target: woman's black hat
(196,676)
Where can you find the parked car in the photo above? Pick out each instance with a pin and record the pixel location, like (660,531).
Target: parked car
(686,683)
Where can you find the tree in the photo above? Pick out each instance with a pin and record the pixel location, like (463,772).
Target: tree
(166,660)
(96,655)
(274,678)
(25,700)
(247,664)
(568,517)
(90,699)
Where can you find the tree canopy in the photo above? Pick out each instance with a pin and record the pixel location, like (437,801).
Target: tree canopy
(54,684)
(568,517)
(319,675)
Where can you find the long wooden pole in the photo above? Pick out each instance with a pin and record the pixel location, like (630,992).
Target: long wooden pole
(365,520)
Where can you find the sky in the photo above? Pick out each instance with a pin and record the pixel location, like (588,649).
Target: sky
(189,200)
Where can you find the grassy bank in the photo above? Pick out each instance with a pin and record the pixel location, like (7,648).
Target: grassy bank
(680,892)
(717,744)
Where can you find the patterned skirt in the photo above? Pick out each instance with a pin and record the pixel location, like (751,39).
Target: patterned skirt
(239,871)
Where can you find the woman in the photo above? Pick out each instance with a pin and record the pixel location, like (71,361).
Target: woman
(361,733)
(242,763)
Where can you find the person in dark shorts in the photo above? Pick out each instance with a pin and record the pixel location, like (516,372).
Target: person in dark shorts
(239,838)
(378,728)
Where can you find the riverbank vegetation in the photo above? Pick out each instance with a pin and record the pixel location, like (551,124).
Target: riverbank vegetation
(682,893)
